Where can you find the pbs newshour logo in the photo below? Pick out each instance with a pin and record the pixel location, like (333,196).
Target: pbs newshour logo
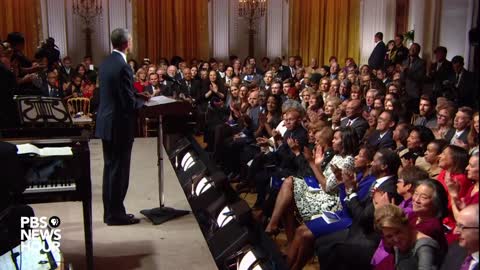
(43,228)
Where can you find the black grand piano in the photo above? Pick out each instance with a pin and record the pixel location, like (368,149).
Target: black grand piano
(46,123)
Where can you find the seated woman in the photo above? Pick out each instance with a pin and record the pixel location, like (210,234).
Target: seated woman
(141,80)
(413,249)
(453,162)
(445,115)
(315,107)
(295,191)
(471,197)
(302,246)
(406,183)
(89,85)
(429,161)
(75,88)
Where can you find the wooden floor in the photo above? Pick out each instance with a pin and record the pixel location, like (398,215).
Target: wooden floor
(281,239)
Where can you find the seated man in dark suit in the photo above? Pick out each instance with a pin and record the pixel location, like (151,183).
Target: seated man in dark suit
(354,118)
(189,88)
(382,137)
(461,123)
(153,88)
(52,87)
(354,247)
(464,256)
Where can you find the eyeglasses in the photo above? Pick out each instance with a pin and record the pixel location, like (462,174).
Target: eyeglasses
(461,227)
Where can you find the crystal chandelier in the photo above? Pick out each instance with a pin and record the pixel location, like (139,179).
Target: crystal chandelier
(252,9)
(87,9)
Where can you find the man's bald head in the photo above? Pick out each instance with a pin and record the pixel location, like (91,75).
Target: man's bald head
(354,108)
(467,228)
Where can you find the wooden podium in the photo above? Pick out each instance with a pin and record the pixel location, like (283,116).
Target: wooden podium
(159,108)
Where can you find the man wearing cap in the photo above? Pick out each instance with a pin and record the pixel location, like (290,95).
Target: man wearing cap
(463,83)
(440,70)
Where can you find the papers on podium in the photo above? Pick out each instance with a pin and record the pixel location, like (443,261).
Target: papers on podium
(43,152)
(159,100)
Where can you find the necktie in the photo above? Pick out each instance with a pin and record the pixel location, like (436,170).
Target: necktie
(372,189)
(349,123)
(466,263)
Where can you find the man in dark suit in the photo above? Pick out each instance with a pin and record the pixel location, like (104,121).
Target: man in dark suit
(377,58)
(461,124)
(359,242)
(354,118)
(8,109)
(52,87)
(382,137)
(464,256)
(189,88)
(413,74)
(464,84)
(115,126)
(401,52)
(440,70)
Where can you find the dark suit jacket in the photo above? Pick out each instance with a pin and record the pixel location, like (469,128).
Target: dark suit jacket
(191,91)
(376,143)
(58,92)
(400,55)
(116,111)
(360,126)
(439,76)
(414,76)
(8,109)
(462,137)
(376,59)
(465,89)
(454,258)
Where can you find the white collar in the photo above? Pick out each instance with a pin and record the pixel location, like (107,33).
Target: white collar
(380,180)
(475,256)
(353,120)
(376,43)
(383,134)
(122,54)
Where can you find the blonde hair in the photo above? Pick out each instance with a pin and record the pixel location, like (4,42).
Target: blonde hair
(390,216)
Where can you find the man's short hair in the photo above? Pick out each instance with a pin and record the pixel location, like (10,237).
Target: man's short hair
(391,159)
(429,98)
(400,36)
(441,49)
(458,60)
(466,110)
(379,35)
(119,37)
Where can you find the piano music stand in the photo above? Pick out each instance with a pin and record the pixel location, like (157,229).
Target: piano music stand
(162,214)
(42,111)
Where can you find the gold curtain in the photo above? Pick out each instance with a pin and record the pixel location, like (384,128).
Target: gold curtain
(22,16)
(170,27)
(322,28)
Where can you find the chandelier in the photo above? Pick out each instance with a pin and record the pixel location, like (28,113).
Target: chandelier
(87,9)
(252,9)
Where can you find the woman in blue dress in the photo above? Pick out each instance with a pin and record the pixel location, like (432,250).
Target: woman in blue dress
(302,247)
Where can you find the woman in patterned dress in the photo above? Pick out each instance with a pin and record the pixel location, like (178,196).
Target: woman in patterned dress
(295,192)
